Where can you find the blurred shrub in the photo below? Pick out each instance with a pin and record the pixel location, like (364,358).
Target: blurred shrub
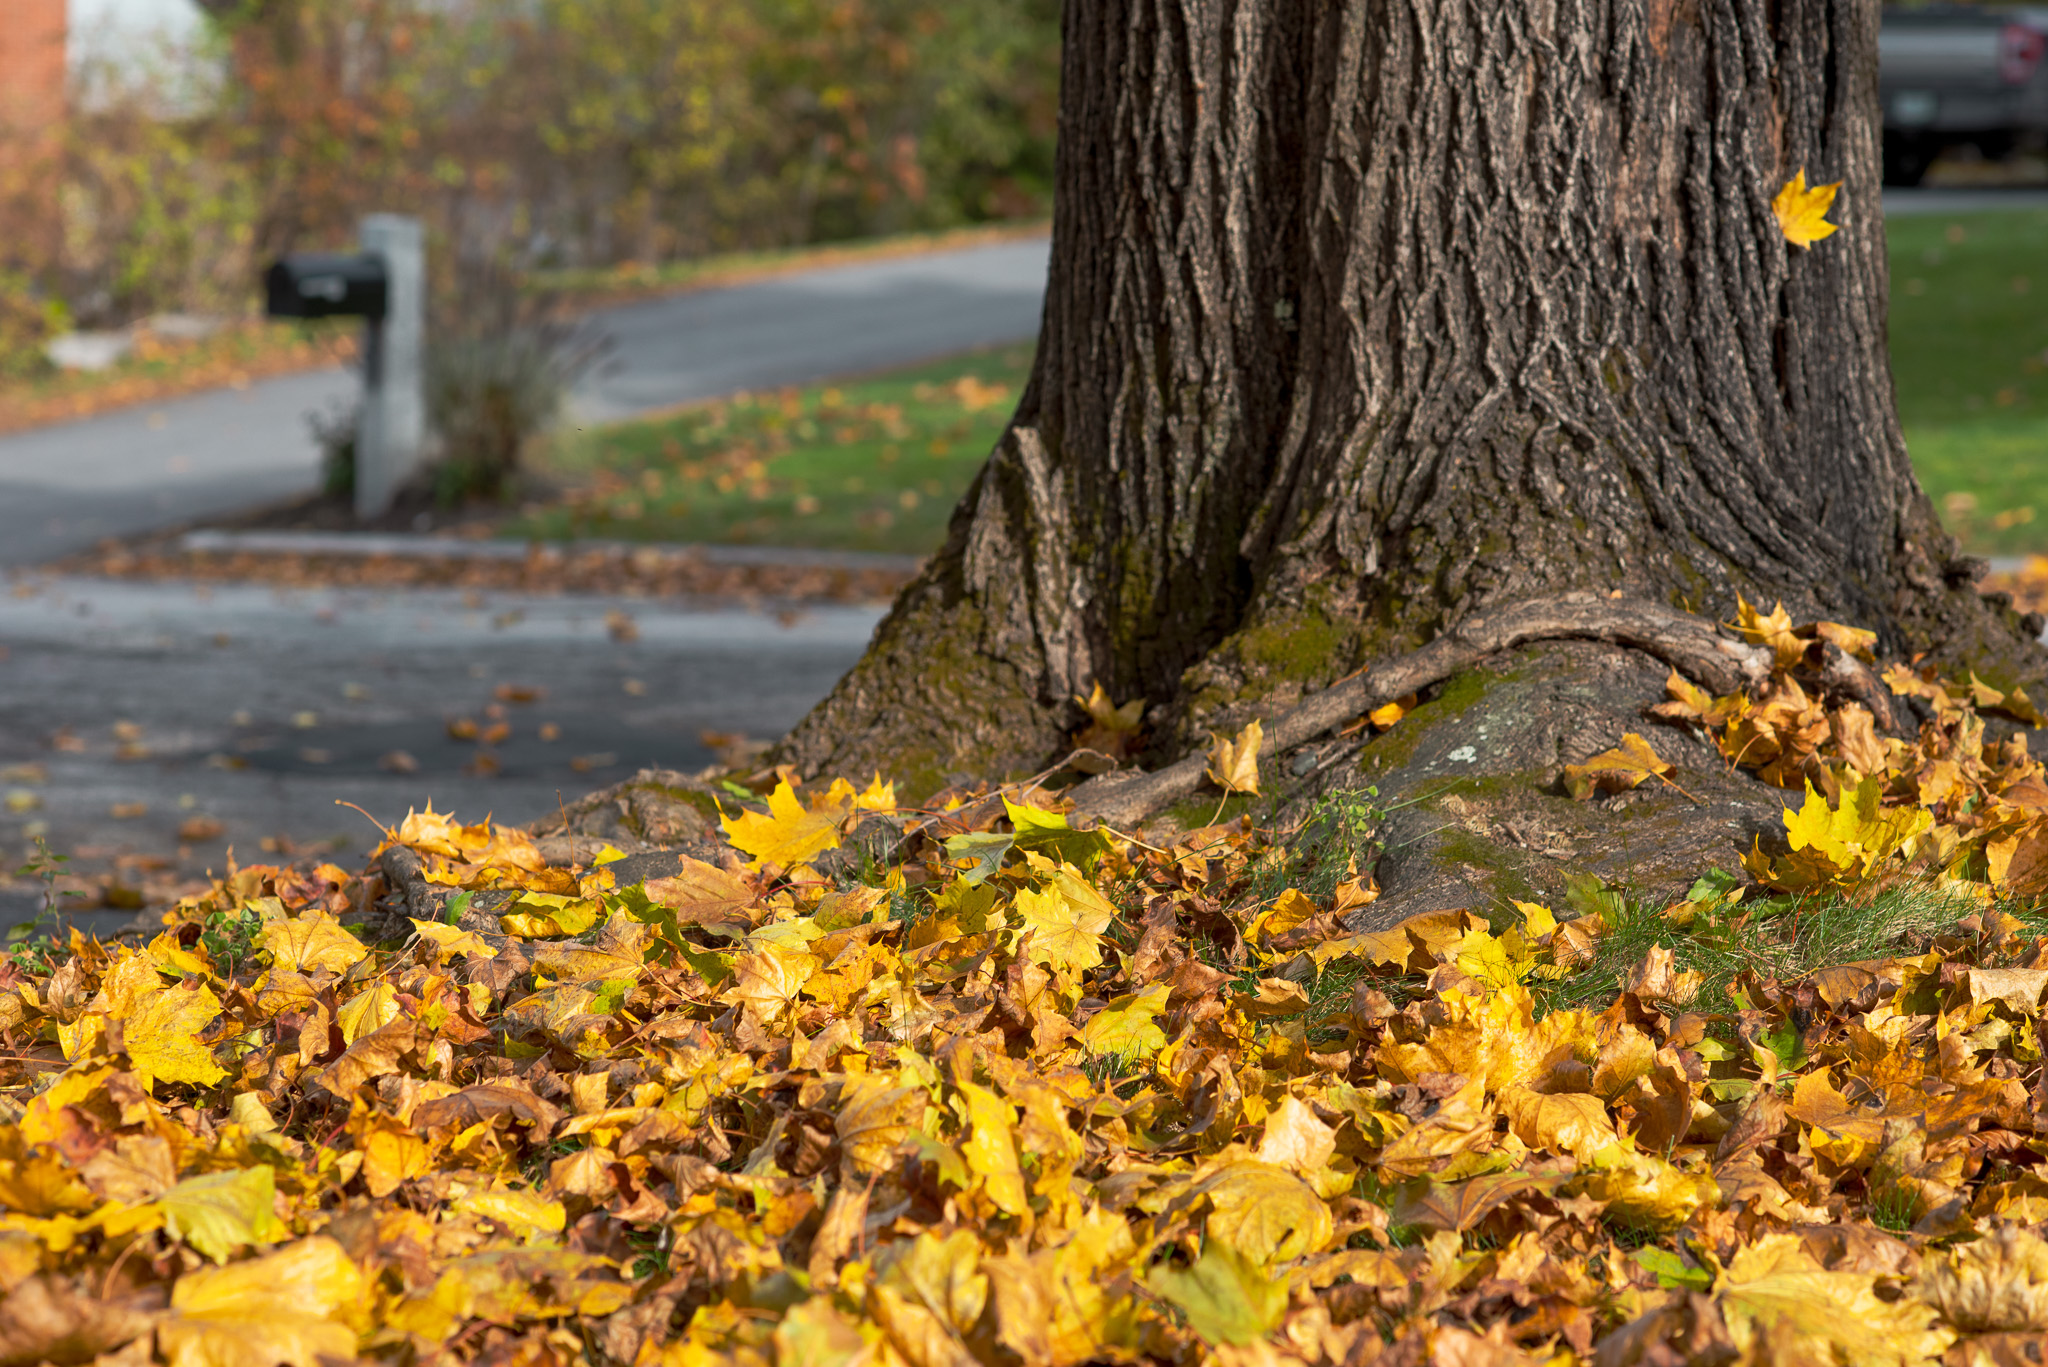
(566,132)
(334,432)
(28,319)
(156,219)
(499,365)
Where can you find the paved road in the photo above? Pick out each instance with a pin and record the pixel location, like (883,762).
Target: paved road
(65,487)
(1927,199)
(261,709)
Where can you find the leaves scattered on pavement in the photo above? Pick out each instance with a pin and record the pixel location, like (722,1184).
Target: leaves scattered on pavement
(642,571)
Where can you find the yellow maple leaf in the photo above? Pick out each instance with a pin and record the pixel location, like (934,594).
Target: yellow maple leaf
(1234,764)
(876,797)
(1573,1123)
(990,1147)
(448,940)
(787,834)
(1857,835)
(162,1036)
(220,1212)
(1537,919)
(313,940)
(269,1310)
(1128,1026)
(1265,1212)
(1853,640)
(1802,212)
(1775,1287)
(1616,770)
(1773,629)
(1107,715)
(368,1011)
(1066,921)
(1499,962)
(392,1153)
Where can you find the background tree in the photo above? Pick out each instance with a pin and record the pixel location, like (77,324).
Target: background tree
(1364,317)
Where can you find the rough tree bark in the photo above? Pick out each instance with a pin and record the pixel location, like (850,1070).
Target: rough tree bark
(1364,316)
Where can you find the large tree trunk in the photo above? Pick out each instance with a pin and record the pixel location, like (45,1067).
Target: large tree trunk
(1364,315)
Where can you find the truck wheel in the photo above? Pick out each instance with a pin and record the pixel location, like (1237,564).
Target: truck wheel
(1907,157)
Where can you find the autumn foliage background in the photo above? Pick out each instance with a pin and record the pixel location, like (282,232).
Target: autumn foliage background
(564,134)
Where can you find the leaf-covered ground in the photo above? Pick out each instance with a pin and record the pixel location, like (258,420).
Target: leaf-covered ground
(1024,1093)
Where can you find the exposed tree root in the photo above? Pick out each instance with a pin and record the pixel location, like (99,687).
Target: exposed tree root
(1691,645)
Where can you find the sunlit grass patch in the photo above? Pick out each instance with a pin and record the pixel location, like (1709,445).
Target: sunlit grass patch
(1969,346)
(1721,935)
(874,464)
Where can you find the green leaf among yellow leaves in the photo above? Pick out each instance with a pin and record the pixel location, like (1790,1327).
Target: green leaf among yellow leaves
(1226,1296)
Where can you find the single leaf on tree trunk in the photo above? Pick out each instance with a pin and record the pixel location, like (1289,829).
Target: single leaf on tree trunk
(1616,770)
(1802,212)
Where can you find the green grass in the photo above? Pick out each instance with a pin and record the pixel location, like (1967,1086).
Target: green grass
(1783,937)
(874,464)
(1969,341)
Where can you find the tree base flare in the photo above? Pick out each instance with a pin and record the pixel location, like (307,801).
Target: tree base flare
(1474,814)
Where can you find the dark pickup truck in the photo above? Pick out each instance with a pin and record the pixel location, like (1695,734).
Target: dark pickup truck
(1954,74)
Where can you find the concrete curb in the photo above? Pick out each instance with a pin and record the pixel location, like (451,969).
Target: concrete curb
(398,545)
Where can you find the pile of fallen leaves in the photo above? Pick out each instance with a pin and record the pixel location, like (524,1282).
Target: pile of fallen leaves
(1026,1093)
(645,571)
(1918,793)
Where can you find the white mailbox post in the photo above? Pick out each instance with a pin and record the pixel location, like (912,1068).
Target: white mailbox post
(391,437)
(386,285)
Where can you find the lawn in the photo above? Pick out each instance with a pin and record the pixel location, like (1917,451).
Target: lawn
(874,464)
(877,463)
(1969,336)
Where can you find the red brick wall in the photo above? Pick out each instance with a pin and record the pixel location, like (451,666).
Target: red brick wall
(32,71)
(32,64)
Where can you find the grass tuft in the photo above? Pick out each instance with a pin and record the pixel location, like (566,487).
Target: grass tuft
(1721,939)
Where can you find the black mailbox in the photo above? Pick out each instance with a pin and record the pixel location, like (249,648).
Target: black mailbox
(326,285)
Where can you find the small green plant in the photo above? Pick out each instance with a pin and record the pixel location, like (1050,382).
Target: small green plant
(229,937)
(1894,1209)
(1115,1066)
(1338,841)
(33,943)
(498,370)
